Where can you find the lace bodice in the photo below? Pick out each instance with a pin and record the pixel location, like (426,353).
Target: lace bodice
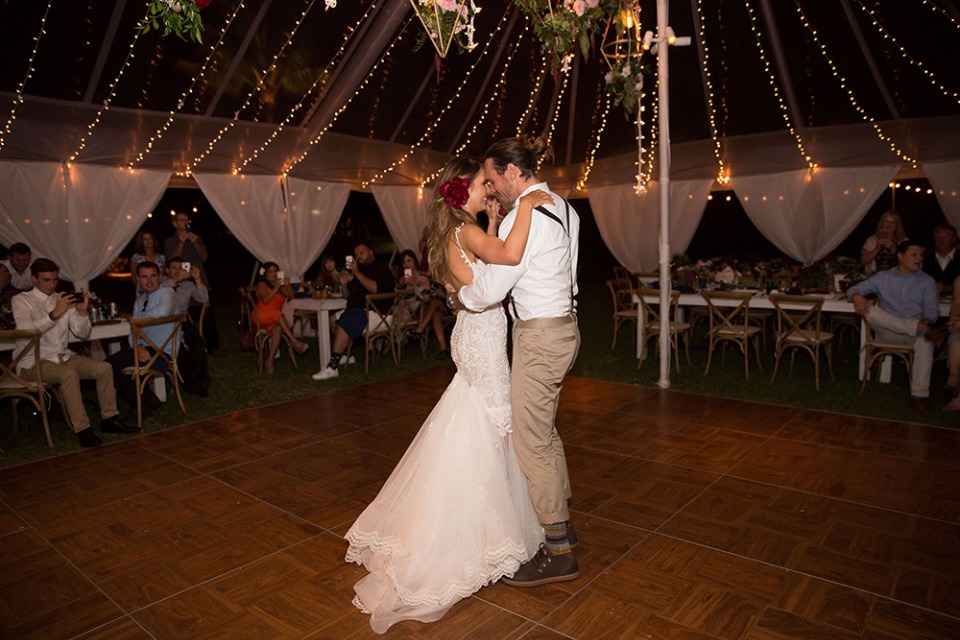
(479,349)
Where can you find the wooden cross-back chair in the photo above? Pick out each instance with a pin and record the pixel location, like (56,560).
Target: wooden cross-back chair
(14,386)
(653,321)
(261,338)
(799,328)
(624,309)
(161,364)
(730,322)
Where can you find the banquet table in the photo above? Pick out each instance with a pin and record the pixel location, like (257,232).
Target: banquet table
(832,303)
(104,340)
(323,307)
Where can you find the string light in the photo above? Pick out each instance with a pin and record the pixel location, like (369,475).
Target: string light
(903,52)
(853,100)
(261,81)
(336,114)
(18,99)
(193,83)
(722,177)
(110,95)
(436,121)
(501,82)
(784,111)
(592,152)
(322,77)
(552,125)
(532,101)
(942,12)
(644,178)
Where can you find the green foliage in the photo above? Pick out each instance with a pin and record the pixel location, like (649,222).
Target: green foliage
(181,18)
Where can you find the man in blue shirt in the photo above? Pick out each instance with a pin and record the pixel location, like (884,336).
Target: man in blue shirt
(153,301)
(907,306)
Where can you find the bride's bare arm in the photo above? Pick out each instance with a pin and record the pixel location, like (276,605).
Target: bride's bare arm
(490,248)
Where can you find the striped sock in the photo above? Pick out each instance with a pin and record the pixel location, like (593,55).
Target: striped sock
(556,537)
(334,361)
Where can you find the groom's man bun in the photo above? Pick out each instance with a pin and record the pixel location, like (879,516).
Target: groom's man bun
(526,152)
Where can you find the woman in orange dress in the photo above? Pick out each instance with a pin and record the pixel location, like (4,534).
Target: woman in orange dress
(272,292)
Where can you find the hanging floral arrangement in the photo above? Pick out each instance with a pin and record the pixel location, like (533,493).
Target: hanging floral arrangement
(446,22)
(567,26)
(179,17)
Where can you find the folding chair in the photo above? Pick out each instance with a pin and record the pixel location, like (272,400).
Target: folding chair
(798,327)
(143,373)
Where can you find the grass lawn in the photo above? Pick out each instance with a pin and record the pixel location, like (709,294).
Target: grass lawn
(238,386)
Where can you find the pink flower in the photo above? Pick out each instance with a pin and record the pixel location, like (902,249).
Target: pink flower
(447,5)
(579,7)
(592,3)
(203,4)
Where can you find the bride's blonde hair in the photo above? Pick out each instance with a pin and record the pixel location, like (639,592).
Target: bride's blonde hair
(442,219)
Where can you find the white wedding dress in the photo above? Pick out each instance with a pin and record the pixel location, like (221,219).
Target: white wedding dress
(455,514)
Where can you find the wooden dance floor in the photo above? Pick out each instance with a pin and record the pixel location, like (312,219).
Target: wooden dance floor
(698,518)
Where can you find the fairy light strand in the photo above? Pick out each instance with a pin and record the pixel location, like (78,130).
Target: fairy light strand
(501,82)
(903,52)
(941,11)
(563,90)
(159,133)
(532,101)
(439,118)
(18,99)
(261,82)
(110,95)
(853,100)
(592,152)
(322,77)
(647,175)
(336,114)
(768,69)
(722,176)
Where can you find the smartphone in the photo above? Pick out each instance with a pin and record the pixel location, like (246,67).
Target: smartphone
(74,298)
(280,275)
(185,266)
(408,272)
(349,260)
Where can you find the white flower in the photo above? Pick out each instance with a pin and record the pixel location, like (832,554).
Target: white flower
(592,3)
(331,4)
(626,70)
(608,77)
(639,87)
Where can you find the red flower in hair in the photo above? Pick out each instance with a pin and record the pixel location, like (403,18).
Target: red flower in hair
(203,4)
(455,192)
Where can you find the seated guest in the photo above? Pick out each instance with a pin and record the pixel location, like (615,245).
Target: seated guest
(186,284)
(941,263)
(146,249)
(953,350)
(329,275)
(7,291)
(369,275)
(411,278)
(18,264)
(56,316)
(153,301)
(879,251)
(272,292)
(907,306)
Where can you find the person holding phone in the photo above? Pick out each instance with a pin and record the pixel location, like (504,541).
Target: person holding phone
(190,247)
(411,278)
(57,315)
(880,250)
(272,291)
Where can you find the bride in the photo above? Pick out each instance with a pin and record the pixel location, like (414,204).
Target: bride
(455,514)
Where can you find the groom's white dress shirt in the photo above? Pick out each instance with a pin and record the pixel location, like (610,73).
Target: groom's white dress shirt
(544,271)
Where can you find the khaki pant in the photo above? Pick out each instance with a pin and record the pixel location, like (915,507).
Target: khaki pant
(890,328)
(68,375)
(544,350)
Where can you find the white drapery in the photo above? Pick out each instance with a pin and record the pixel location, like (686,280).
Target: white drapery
(807,213)
(944,177)
(404,209)
(81,216)
(284,220)
(630,223)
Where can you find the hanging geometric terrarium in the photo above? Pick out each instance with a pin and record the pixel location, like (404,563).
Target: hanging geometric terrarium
(445,22)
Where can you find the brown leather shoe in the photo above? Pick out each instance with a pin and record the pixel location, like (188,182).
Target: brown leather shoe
(920,406)
(545,567)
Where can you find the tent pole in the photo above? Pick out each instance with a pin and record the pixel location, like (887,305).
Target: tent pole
(663,91)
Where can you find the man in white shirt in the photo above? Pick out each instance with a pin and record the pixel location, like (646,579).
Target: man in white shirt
(19,266)
(546,339)
(56,316)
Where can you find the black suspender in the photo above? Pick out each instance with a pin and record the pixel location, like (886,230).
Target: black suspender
(566,228)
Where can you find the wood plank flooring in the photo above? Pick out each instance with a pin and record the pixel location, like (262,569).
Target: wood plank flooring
(698,517)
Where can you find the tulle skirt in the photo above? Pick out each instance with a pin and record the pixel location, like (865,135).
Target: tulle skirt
(454,515)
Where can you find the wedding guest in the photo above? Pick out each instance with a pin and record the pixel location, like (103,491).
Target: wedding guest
(7,291)
(369,276)
(272,292)
(880,250)
(153,301)
(146,247)
(411,278)
(907,306)
(18,264)
(941,262)
(192,357)
(329,275)
(953,350)
(190,247)
(56,316)
(187,285)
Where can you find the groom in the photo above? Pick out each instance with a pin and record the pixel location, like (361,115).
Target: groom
(545,343)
